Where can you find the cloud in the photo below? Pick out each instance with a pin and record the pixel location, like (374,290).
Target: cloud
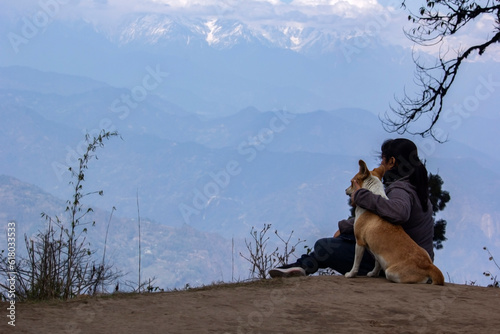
(190,3)
(261,8)
(355,3)
(240,9)
(487,225)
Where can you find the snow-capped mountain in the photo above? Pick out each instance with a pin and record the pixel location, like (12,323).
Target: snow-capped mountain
(221,33)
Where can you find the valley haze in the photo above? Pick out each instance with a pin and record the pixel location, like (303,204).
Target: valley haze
(232,115)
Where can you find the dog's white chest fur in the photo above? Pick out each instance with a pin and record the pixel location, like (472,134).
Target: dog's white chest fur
(376,186)
(373,184)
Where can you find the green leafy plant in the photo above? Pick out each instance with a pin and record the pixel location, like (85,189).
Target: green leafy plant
(438,198)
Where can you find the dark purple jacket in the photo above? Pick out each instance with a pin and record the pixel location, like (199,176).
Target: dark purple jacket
(402,208)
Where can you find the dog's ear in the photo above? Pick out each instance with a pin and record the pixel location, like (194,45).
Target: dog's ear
(379,172)
(363,169)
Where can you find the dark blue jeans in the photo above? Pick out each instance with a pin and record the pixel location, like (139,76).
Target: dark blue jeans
(336,253)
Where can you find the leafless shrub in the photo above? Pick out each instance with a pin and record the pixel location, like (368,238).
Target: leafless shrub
(60,262)
(495,283)
(260,259)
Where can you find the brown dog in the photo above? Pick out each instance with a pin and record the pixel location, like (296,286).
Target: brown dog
(395,252)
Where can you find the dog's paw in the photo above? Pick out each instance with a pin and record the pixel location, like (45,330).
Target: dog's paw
(350,274)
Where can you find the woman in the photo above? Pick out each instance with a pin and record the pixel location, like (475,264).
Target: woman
(408,205)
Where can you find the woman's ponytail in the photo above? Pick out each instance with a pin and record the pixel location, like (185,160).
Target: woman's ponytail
(408,164)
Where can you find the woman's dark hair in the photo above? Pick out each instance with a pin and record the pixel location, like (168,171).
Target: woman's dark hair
(408,164)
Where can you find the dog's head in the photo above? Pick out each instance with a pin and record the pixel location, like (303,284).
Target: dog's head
(364,174)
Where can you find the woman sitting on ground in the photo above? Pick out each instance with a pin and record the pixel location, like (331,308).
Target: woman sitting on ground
(408,205)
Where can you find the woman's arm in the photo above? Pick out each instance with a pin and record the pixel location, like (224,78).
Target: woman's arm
(396,209)
(346,226)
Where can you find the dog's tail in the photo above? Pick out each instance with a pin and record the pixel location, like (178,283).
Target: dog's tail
(436,275)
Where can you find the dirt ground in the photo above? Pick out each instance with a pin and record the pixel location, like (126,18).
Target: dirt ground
(319,304)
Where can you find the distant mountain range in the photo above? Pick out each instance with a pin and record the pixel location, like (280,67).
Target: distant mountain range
(173,256)
(224,33)
(227,121)
(160,146)
(202,182)
(219,66)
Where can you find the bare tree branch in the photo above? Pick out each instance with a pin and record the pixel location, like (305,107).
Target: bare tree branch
(434,24)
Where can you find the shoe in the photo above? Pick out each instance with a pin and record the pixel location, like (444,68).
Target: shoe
(287,272)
